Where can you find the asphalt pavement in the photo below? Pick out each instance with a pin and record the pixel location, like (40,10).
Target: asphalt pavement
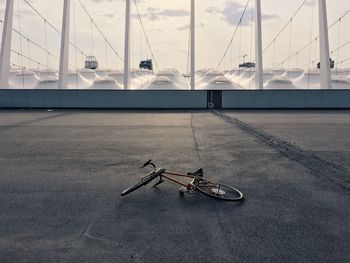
(62,172)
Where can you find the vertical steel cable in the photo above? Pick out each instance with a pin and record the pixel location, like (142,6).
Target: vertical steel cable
(273,54)
(28,46)
(338,47)
(310,49)
(106,55)
(240,44)
(251,36)
(46,45)
(141,71)
(92,37)
(20,41)
(297,60)
(75,44)
(132,47)
(188,51)
(232,56)
(290,44)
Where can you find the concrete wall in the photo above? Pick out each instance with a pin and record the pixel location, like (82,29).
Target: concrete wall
(302,99)
(259,99)
(102,99)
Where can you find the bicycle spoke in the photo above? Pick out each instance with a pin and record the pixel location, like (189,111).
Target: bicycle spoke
(220,191)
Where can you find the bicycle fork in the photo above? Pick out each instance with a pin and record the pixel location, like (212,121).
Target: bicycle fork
(159,182)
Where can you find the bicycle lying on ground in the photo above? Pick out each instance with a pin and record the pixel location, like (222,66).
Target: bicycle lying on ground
(197,183)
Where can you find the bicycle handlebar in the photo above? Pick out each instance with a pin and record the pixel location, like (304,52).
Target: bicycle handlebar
(149,162)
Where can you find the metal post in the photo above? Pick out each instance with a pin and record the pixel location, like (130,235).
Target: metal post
(64,55)
(326,80)
(258,47)
(127,46)
(5,55)
(193,46)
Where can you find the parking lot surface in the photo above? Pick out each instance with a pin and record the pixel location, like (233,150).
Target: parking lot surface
(62,173)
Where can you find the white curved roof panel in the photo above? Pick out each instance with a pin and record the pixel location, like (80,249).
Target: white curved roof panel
(278,72)
(47,73)
(88,74)
(280,83)
(246,74)
(49,82)
(340,82)
(105,83)
(101,72)
(217,83)
(293,73)
(311,79)
(24,79)
(76,81)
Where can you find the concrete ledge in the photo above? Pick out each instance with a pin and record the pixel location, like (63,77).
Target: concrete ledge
(103,99)
(289,99)
(175,99)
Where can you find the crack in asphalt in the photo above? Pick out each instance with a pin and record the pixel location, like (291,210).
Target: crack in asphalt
(333,172)
(220,227)
(195,139)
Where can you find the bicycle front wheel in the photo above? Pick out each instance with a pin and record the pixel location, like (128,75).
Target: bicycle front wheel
(138,185)
(219,191)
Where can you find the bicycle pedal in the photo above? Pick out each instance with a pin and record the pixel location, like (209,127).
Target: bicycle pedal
(183,190)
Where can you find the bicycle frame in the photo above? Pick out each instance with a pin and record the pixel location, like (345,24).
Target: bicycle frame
(196,183)
(167,175)
(162,173)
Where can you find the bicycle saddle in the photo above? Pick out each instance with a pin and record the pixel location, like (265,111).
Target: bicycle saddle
(199,173)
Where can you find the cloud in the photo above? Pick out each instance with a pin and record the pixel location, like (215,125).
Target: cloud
(24,10)
(154,14)
(232,12)
(107,15)
(100,1)
(187,27)
(310,3)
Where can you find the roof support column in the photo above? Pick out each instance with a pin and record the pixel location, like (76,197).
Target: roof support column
(325,67)
(193,46)
(127,46)
(259,83)
(64,55)
(5,55)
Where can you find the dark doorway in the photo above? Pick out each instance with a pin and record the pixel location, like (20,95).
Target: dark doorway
(214,98)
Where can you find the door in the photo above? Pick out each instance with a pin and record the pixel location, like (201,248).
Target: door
(214,98)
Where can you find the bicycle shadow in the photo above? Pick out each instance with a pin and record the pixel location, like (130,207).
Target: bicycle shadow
(160,214)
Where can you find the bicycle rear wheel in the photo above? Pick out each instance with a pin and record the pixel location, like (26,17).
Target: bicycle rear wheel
(219,191)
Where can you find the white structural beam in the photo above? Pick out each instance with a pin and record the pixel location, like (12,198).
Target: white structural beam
(127,46)
(326,81)
(64,55)
(5,55)
(193,45)
(259,83)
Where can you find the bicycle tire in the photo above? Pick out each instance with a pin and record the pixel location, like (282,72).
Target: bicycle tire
(137,186)
(219,191)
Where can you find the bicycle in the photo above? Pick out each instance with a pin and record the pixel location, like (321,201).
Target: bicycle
(197,184)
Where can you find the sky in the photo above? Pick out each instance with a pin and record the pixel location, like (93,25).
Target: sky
(166,24)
